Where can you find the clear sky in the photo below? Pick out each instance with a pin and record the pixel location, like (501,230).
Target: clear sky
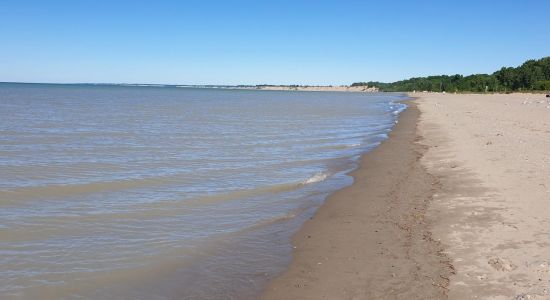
(276,42)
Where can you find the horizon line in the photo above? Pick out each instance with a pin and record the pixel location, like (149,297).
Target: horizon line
(168,85)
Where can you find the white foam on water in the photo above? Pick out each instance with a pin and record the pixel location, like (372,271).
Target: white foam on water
(316,178)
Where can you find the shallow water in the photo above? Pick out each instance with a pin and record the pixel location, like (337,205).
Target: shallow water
(165,192)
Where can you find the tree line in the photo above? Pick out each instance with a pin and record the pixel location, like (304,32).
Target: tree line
(533,75)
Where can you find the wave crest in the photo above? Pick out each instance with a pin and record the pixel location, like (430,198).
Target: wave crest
(316,178)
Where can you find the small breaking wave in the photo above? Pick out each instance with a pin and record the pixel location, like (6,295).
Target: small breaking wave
(316,178)
(397,108)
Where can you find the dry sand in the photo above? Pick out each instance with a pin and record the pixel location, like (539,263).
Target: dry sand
(455,204)
(491,154)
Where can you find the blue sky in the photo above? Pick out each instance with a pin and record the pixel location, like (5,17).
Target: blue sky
(254,42)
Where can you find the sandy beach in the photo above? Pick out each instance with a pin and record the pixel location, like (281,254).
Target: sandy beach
(453,205)
(491,154)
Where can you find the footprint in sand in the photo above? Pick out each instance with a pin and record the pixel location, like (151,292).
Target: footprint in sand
(501,264)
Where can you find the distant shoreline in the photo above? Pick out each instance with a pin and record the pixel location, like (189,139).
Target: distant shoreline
(308,88)
(265,87)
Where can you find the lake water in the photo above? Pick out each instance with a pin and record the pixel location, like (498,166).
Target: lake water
(163,192)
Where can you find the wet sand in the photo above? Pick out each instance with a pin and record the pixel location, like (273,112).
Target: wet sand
(372,239)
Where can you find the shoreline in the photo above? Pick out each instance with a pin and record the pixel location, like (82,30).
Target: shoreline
(368,240)
(452,205)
